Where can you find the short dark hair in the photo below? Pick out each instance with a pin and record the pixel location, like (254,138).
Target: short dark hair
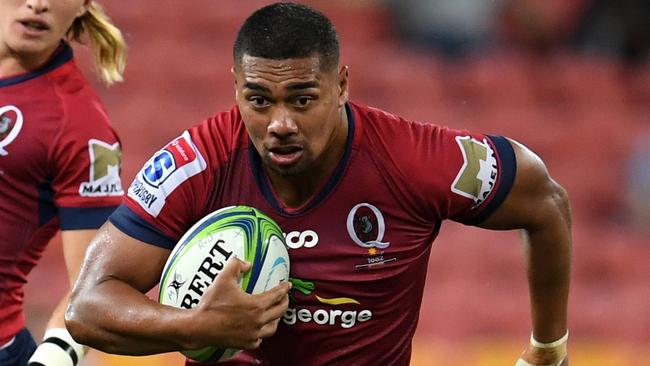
(288,30)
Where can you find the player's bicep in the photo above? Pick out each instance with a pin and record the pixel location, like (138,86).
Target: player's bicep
(534,200)
(114,255)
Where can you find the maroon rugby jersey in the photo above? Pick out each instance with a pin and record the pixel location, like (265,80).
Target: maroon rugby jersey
(358,248)
(59,169)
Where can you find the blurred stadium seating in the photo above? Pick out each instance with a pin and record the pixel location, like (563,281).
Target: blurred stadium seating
(580,114)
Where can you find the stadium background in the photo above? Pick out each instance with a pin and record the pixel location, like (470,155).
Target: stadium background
(587,116)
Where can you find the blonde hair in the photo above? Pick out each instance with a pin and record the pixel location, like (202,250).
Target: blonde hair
(106,41)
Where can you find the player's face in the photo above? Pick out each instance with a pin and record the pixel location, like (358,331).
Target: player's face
(34,28)
(294,112)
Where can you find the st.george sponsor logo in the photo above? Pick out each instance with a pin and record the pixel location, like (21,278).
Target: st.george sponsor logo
(325,317)
(164,172)
(344,319)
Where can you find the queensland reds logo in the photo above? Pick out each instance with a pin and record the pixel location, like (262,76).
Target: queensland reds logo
(11,122)
(366,226)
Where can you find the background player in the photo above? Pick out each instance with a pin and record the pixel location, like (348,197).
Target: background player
(59,157)
(372,188)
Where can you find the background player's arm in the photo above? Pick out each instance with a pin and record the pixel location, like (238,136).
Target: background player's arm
(58,347)
(540,207)
(109,310)
(75,243)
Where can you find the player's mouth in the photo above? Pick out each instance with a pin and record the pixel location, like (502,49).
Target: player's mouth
(285,155)
(34,27)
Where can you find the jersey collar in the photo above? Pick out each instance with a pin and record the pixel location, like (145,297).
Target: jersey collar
(267,191)
(62,55)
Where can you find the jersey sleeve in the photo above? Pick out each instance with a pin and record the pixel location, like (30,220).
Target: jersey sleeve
(483,179)
(172,190)
(85,162)
(453,174)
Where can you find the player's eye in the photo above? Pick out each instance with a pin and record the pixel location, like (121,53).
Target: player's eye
(303,101)
(258,102)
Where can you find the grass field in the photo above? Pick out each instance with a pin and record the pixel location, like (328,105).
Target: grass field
(477,353)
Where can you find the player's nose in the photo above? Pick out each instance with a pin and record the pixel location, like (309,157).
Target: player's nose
(282,123)
(38,6)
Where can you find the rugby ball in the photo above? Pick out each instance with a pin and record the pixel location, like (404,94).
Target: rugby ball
(200,255)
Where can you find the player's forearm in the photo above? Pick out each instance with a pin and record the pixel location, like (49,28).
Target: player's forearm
(549,265)
(57,346)
(115,318)
(56,320)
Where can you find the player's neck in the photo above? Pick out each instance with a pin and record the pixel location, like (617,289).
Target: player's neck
(295,191)
(14,63)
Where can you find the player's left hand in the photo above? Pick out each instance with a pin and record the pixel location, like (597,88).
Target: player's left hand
(535,356)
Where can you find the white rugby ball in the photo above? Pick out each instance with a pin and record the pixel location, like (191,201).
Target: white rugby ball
(200,255)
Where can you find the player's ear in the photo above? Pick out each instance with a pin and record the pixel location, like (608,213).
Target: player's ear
(343,85)
(84,8)
(234,76)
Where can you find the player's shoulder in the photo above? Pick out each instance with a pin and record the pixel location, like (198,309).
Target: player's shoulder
(226,122)
(372,120)
(77,97)
(63,74)
(383,131)
(368,115)
(55,90)
(217,136)
(188,166)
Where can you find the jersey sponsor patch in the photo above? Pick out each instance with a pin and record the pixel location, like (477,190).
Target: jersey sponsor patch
(165,162)
(167,169)
(344,312)
(477,177)
(11,122)
(104,171)
(301,239)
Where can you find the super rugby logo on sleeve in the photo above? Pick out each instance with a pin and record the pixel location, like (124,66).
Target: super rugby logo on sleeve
(477,177)
(166,170)
(104,177)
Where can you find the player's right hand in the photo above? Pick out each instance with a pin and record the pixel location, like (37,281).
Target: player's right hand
(229,317)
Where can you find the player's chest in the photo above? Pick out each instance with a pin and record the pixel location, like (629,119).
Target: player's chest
(28,129)
(355,226)
(345,262)
(365,240)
